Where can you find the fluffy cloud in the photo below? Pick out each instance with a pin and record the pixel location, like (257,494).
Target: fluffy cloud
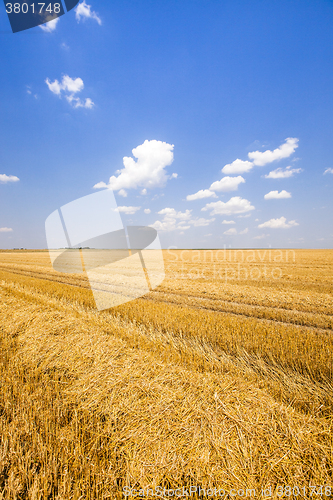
(235,205)
(237,167)
(147,171)
(8,178)
(227,184)
(5,230)
(174,220)
(203,193)
(245,231)
(279,173)
(147,210)
(228,222)
(128,210)
(70,86)
(328,171)
(280,223)
(231,231)
(50,26)
(55,86)
(284,151)
(260,237)
(83,11)
(275,195)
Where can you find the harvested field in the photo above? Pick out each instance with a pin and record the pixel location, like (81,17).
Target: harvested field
(220,377)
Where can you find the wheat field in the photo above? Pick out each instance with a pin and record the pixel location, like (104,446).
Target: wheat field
(220,378)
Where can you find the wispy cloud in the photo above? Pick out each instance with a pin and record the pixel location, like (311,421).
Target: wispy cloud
(328,171)
(260,237)
(83,11)
(228,222)
(281,173)
(6,229)
(201,222)
(230,232)
(50,26)
(128,210)
(280,223)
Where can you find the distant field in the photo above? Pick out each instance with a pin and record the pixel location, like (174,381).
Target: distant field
(221,377)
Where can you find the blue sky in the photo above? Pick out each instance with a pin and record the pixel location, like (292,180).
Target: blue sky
(191,87)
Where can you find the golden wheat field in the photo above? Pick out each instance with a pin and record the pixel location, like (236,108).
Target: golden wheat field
(217,384)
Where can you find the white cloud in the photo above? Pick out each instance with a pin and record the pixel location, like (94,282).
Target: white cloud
(8,178)
(244,216)
(5,230)
(144,192)
(128,210)
(228,222)
(122,193)
(284,151)
(172,213)
(230,231)
(279,173)
(64,46)
(328,171)
(55,86)
(50,26)
(203,193)
(280,223)
(245,231)
(260,237)
(71,86)
(174,220)
(147,172)
(147,210)
(78,103)
(100,185)
(201,222)
(275,195)
(235,205)
(237,167)
(83,11)
(227,184)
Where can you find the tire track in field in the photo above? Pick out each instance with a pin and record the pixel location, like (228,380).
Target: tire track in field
(79,283)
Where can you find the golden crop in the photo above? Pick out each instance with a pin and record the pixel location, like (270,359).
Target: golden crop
(221,377)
